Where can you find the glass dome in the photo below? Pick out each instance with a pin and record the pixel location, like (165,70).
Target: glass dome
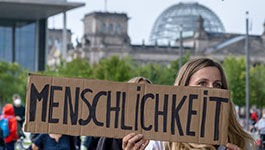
(183,16)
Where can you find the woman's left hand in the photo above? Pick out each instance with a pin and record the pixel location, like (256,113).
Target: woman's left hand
(134,141)
(230,146)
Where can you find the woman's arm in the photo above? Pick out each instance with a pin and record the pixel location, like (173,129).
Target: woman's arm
(38,142)
(35,147)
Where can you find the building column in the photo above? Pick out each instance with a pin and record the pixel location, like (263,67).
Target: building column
(64,44)
(14,43)
(42,50)
(37,30)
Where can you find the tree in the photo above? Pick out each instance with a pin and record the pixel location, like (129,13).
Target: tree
(236,77)
(158,74)
(174,67)
(76,68)
(257,84)
(161,74)
(235,74)
(114,69)
(13,79)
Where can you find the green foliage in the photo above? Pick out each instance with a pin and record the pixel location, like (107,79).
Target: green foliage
(158,74)
(174,68)
(113,69)
(235,70)
(257,85)
(13,80)
(116,69)
(161,74)
(235,74)
(76,68)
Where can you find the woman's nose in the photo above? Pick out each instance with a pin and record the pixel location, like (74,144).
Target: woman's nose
(210,85)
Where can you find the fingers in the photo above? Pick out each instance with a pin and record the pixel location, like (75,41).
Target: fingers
(141,144)
(232,147)
(144,144)
(134,141)
(126,139)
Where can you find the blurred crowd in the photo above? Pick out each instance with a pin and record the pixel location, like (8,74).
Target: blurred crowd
(256,124)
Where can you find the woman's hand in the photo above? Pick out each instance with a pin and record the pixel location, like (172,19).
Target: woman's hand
(230,146)
(134,141)
(34,147)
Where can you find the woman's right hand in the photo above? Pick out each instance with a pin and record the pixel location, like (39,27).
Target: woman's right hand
(134,141)
(230,146)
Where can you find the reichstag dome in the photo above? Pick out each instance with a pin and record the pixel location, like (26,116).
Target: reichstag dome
(183,16)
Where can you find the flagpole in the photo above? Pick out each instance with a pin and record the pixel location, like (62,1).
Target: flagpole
(247,73)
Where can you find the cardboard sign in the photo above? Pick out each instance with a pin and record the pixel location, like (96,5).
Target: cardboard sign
(87,107)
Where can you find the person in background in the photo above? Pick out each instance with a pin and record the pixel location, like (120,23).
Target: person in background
(10,140)
(2,140)
(254,116)
(54,142)
(201,72)
(254,119)
(260,125)
(19,113)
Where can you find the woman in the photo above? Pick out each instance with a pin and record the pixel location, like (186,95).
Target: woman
(206,73)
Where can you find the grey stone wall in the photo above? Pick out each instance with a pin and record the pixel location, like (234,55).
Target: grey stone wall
(99,44)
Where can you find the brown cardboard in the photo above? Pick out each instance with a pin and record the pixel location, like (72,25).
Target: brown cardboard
(97,112)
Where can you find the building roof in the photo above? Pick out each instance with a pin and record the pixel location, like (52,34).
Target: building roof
(183,17)
(34,9)
(107,14)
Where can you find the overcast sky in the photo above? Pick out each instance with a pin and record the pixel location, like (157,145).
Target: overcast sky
(143,13)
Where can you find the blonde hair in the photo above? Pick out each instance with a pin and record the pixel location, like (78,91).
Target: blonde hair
(236,134)
(187,146)
(139,79)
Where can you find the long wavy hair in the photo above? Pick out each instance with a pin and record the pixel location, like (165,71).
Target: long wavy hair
(236,134)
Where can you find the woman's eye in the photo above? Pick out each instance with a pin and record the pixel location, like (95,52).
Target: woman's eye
(202,83)
(217,85)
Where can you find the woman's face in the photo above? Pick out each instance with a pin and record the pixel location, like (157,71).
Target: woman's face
(206,77)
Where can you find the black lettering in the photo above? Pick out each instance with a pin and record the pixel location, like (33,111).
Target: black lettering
(94,106)
(190,112)
(145,97)
(138,88)
(123,126)
(163,113)
(73,113)
(81,121)
(204,114)
(136,112)
(175,115)
(218,100)
(53,104)
(116,109)
(34,96)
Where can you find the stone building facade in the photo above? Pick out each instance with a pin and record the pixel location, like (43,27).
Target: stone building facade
(106,35)
(54,44)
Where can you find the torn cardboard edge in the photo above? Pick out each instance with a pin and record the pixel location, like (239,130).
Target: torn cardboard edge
(88,107)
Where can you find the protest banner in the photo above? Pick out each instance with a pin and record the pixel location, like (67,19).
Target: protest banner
(89,107)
